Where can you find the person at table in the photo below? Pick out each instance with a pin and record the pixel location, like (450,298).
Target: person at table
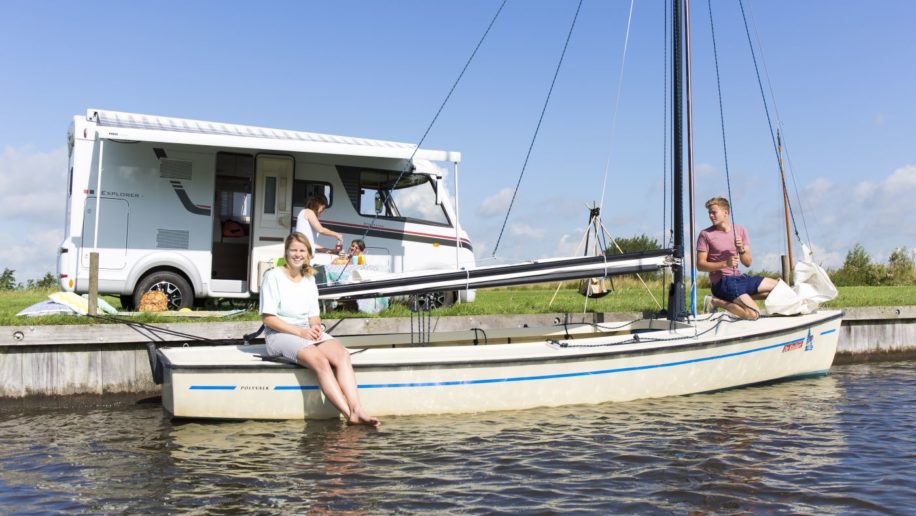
(720,249)
(357,247)
(290,312)
(308,224)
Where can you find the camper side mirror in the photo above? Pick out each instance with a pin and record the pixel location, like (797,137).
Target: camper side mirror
(436,180)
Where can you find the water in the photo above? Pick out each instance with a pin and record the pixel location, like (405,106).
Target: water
(837,444)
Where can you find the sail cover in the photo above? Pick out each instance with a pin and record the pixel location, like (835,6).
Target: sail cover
(812,287)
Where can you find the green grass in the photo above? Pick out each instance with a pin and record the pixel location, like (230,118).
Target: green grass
(524,300)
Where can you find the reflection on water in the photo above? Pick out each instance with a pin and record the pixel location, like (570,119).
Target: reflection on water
(834,444)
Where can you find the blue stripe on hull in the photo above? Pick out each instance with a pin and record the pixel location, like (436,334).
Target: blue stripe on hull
(453,383)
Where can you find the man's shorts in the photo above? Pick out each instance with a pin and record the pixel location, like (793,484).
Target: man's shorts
(730,288)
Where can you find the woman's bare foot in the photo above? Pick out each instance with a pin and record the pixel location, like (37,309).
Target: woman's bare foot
(361,418)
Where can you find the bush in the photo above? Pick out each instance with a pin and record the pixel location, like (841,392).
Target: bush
(857,269)
(901,269)
(8,279)
(632,245)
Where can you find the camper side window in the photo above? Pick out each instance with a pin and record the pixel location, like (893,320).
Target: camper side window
(389,194)
(412,197)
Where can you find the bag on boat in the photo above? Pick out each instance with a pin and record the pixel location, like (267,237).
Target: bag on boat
(812,287)
(594,287)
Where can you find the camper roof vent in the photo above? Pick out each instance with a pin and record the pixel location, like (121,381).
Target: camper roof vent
(174,169)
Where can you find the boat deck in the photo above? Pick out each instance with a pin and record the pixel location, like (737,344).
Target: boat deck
(641,336)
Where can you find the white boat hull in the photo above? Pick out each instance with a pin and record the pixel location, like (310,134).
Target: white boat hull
(718,353)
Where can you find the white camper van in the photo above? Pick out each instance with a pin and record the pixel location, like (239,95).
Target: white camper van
(196,209)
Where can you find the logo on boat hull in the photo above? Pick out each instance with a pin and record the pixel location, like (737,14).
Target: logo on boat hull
(792,346)
(809,341)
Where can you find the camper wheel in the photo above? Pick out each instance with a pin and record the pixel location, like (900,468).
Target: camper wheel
(442,299)
(172,284)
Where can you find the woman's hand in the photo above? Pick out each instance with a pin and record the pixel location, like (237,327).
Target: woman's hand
(312,332)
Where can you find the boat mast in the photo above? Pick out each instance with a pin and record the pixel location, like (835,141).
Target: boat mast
(691,202)
(676,292)
(786,267)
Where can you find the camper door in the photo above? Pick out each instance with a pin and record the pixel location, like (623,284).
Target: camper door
(272,212)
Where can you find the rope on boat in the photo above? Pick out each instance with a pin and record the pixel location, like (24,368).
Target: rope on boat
(636,339)
(409,164)
(728,180)
(538,127)
(153,332)
(623,62)
(779,126)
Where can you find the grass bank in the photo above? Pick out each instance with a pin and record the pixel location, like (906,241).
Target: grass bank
(525,300)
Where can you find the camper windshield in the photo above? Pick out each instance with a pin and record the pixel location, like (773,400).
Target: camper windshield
(413,198)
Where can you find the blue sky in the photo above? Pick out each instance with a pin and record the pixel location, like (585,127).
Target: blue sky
(843,75)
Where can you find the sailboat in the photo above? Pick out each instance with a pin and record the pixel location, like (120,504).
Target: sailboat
(515,368)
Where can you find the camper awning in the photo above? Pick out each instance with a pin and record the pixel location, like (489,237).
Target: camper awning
(132,126)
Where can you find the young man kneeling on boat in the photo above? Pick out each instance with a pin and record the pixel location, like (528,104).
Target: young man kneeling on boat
(720,248)
(290,312)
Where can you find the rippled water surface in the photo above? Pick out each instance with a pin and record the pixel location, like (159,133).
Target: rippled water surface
(842,443)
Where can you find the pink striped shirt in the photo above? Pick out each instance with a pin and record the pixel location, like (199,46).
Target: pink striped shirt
(720,246)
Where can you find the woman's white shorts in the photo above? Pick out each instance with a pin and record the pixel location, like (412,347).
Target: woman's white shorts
(288,345)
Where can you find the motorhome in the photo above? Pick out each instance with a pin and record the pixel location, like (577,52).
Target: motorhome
(197,209)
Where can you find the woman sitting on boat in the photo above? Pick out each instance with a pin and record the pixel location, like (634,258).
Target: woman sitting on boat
(290,312)
(720,248)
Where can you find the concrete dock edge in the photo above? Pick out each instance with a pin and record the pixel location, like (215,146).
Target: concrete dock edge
(111,359)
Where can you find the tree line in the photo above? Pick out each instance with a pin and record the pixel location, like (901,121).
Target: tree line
(8,281)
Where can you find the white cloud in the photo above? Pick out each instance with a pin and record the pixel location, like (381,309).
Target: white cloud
(521,229)
(876,213)
(495,204)
(569,244)
(31,253)
(704,169)
(32,206)
(832,214)
(32,183)
(903,178)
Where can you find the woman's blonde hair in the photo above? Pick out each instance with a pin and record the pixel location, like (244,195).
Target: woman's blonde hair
(295,236)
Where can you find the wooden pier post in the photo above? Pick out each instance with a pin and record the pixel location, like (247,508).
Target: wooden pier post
(93,283)
(786,270)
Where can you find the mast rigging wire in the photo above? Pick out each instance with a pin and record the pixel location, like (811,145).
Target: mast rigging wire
(767,110)
(728,181)
(408,165)
(780,127)
(537,128)
(623,62)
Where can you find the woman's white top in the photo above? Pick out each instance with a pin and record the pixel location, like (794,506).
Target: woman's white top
(303,226)
(293,302)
